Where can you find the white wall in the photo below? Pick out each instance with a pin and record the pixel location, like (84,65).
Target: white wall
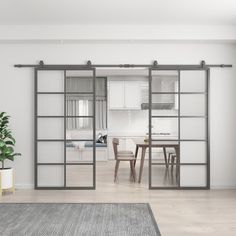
(16,93)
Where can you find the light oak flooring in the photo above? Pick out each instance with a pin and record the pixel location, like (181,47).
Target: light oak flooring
(195,212)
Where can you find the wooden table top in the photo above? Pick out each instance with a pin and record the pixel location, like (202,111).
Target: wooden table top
(142,143)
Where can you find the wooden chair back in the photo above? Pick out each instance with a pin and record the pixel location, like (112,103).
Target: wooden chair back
(115,142)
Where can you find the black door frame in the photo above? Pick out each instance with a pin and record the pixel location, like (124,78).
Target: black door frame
(179,140)
(64,117)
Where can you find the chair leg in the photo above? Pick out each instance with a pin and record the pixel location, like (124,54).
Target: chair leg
(165,156)
(177,167)
(172,163)
(116,170)
(133,170)
(168,161)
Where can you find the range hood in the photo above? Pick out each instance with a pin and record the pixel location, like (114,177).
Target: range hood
(158,106)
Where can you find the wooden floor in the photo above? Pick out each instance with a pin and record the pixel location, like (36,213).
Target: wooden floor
(195,212)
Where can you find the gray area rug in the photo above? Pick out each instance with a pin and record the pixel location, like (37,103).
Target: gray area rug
(80,219)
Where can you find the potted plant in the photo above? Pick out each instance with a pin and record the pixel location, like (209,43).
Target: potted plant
(7,143)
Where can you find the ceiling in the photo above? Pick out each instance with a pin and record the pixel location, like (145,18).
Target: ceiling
(145,12)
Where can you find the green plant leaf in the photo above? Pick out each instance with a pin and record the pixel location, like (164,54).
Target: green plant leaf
(2,157)
(16,154)
(12,139)
(6,117)
(9,142)
(11,158)
(2,143)
(9,150)
(2,114)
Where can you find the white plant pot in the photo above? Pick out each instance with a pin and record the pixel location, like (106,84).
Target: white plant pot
(6,178)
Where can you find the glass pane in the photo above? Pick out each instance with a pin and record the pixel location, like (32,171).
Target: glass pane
(164,128)
(79,175)
(51,176)
(193,176)
(164,81)
(164,104)
(162,155)
(50,152)
(79,105)
(101,87)
(192,81)
(192,105)
(192,128)
(79,81)
(164,177)
(50,105)
(193,152)
(79,128)
(50,81)
(78,152)
(50,128)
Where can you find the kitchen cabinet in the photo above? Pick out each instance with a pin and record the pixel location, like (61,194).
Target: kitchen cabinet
(116,94)
(124,95)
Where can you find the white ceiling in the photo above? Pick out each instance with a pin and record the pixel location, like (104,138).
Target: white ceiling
(56,12)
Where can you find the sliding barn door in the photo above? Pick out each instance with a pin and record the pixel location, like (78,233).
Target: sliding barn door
(178,128)
(65,128)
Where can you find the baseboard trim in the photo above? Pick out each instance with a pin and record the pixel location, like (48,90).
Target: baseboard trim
(24,186)
(218,187)
(222,187)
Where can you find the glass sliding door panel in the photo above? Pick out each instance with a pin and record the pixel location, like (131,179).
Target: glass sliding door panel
(178,108)
(50,105)
(164,81)
(164,128)
(50,128)
(51,176)
(50,152)
(79,175)
(193,152)
(50,81)
(193,81)
(193,176)
(193,128)
(164,177)
(65,126)
(192,105)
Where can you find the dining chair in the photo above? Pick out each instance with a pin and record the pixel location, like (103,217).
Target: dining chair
(123,156)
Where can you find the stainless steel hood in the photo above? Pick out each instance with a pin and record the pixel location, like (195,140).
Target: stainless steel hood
(158,106)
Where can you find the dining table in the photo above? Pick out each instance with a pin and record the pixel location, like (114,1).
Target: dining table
(143,145)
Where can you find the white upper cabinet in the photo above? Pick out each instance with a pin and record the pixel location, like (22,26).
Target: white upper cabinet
(124,95)
(132,95)
(116,95)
